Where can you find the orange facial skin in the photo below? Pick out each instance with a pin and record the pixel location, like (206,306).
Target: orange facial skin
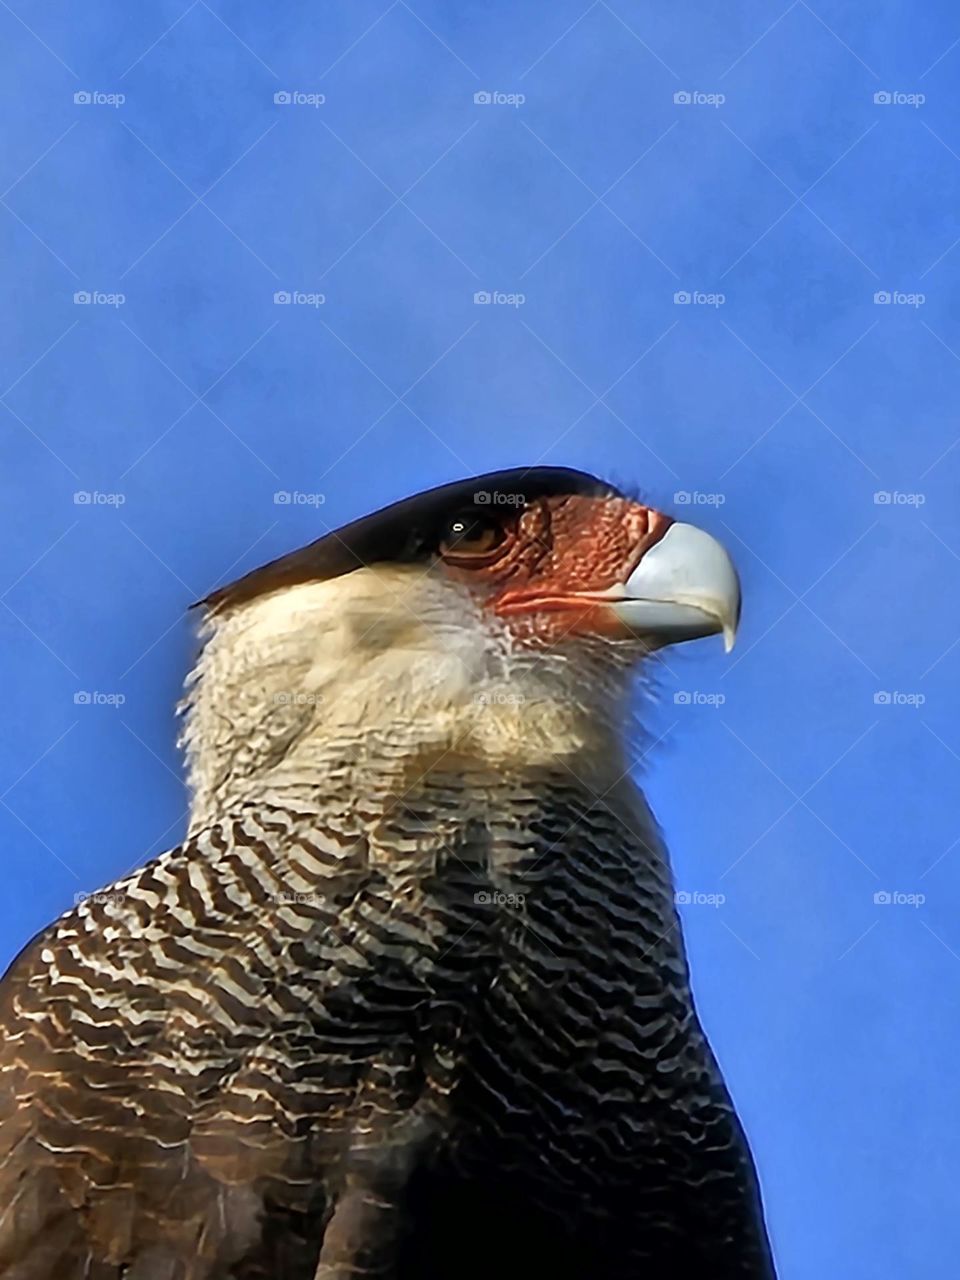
(556,554)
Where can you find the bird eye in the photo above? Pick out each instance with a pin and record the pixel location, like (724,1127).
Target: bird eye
(469,534)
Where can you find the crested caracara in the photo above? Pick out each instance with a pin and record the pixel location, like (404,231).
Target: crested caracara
(410,1001)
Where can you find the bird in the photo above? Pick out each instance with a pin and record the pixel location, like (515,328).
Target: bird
(411,999)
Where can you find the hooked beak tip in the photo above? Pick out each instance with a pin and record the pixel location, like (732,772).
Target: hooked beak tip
(684,587)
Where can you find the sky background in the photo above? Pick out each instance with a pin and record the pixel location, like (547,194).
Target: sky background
(815,768)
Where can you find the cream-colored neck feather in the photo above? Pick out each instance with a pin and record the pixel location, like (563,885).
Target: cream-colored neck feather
(391,662)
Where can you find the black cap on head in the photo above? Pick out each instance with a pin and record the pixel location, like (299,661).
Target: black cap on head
(406,531)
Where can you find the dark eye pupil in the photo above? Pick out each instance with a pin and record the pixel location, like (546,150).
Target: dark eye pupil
(463,530)
(468,532)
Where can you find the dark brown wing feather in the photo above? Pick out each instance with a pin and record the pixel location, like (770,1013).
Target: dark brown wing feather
(180,1054)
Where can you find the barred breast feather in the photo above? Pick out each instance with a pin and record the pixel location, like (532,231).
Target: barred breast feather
(310,1024)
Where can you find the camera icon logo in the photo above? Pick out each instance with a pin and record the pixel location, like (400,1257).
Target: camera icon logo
(483,98)
(282,98)
(82,98)
(682,98)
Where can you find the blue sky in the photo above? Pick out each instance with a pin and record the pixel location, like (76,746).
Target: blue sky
(780,166)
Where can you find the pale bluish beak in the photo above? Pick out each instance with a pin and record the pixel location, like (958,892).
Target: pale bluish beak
(685,587)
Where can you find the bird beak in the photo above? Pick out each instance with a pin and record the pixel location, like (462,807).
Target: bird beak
(684,587)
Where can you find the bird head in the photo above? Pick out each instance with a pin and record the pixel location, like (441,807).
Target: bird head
(535,589)
(554,554)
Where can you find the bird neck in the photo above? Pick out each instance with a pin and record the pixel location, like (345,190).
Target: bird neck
(303,712)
